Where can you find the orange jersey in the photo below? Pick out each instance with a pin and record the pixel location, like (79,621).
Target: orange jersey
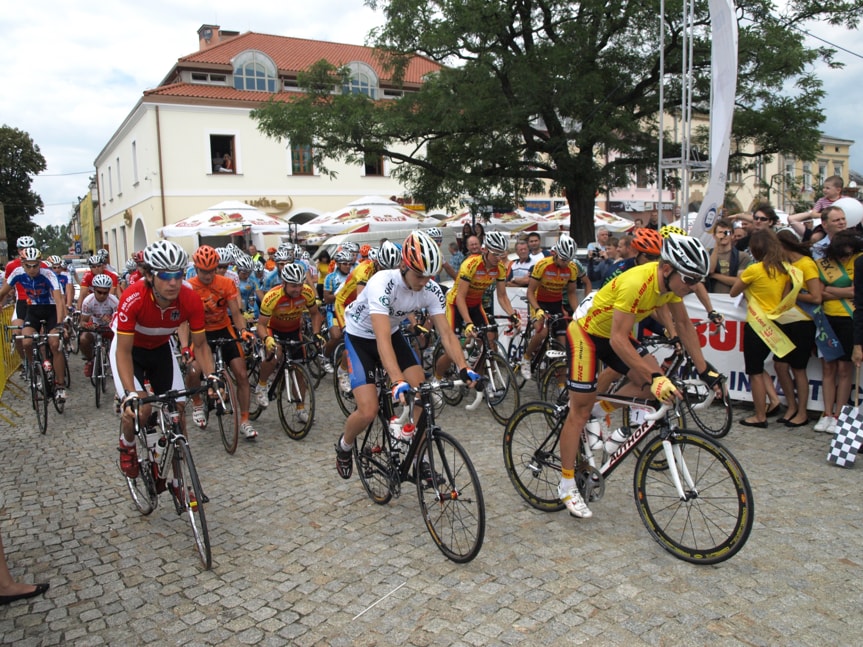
(478,277)
(286,313)
(216,298)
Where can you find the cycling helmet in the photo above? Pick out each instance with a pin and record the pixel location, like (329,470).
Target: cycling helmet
(55,260)
(687,255)
(647,241)
(389,256)
(31,254)
(364,250)
(205,258)
(25,242)
(293,273)
(342,257)
(667,230)
(282,256)
(436,234)
(496,242)
(421,254)
(259,267)
(348,246)
(305,255)
(373,254)
(566,248)
(95,260)
(131,264)
(165,255)
(139,256)
(102,281)
(225,256)
(244,262)
(103,253)
(233,249)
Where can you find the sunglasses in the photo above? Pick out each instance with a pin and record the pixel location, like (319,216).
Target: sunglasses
(689,280)
(170,276)
(102,292)
(222,267)
(30,266)
(760,219)
(723,234)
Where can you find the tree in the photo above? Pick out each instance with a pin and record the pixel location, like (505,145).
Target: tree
(554,91)
(53,240)
(20,162)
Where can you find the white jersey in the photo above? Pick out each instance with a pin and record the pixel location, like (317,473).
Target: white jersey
(387,293)
(101,312)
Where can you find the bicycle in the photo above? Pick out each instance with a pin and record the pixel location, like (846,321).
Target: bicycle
(691,493)
(542,359)
(101,364)
(448,487)
(73,328)
(226,406)
(40,370)
(161,444)
(501,390)
(293,391)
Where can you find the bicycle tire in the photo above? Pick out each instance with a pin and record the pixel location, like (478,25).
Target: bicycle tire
(374,462)
(97,378)
(229,419)
(515,353)
(253,370)
(187,477)
(531,454)
(450,497)
(73,338)
(501,391)
(715,521)
(707,419)
(143,488)
(551,387)
(314,362)
(451,395)
(289,401)
(67,373)
(346,401)
(39,394)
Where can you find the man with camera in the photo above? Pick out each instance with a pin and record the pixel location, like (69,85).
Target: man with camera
(597,257)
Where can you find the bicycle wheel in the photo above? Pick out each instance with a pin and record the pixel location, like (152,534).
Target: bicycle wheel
(345,399)
(142,488)
(501,391)
(97,377)
(39,394)
(452,395)
(714,519)
(314,363)
(450,497)
(531,454)
(67,374)
(375,463)
(253,370)
(73,338)
(190,499)
(229,417)
(552,383)
(296,400)
(712,415)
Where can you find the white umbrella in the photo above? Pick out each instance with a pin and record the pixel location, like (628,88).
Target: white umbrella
(225,218)
(613,223)
(518,220)
(368,214)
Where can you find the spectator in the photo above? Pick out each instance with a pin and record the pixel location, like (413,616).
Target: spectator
(10,590)
(832,221)
(597,256)
(255,254)
(323,262)
(763,217)
(466,232)
(518,269)
(739,233)
(270,263)
(802,223)
(638,223)
(455,260)
(534,244)
(625,258)
(726,261)
(479,232)
(227,164)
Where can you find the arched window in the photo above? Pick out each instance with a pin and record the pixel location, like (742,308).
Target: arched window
(363,80)
(254,71)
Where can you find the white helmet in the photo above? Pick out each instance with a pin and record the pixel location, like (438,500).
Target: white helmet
(244,262)
(421,254)
(435,233)
(496,242)
(565,248)
(293,273)
(102,281)
(389,255)
(165,255)
(226,256)
(31,254)
(687,255)
(26,241)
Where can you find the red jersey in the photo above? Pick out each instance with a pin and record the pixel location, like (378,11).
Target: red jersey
(88,279)
(139,315)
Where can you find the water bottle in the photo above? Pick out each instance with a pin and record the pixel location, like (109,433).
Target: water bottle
(617,438)
(594,433)
(395,429)
(407,433)
(153,436)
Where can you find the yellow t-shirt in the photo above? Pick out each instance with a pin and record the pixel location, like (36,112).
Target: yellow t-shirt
(552,279)
(763,289)
(347,292)
(635,291)
(478,277)
(286,313)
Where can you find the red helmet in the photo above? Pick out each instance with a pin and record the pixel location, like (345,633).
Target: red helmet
(206,258)
(647,241)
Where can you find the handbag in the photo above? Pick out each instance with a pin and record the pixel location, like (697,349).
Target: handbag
(848,436)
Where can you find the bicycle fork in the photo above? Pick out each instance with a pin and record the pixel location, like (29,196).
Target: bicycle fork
(677,468)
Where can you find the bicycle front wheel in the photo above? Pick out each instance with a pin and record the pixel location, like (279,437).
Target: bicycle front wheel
(712,415)
(552,383)
(253,370)
(143,488)
(190,499)
(345,399)
(451,395)
(531,454)
(39,391)
(296,401)
(501,390)
(375,463)
(229,417)
(450,497)
(714,518)
(98,377)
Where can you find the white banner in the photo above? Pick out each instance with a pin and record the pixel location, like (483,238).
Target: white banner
(723,67)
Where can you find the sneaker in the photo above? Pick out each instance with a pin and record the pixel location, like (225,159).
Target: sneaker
(344,381)
(59,393)
(344,460)
(88,369)
(824,423)
(198,415)
(248,430)
(328,367)
(575,504)
(23,375)
(303,416)
(524,368)
(128,461)
(831,429)
(261,396)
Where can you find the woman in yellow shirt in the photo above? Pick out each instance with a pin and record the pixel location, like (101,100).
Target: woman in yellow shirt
(836,270)
(765,283)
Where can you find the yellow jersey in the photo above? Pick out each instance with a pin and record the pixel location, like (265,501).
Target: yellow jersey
(478,277)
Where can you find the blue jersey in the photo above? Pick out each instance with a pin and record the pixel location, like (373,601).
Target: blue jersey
(38,289)
(271,280)
(248,294)
(332,283)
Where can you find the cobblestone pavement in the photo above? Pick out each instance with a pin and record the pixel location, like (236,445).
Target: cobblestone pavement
(304,558)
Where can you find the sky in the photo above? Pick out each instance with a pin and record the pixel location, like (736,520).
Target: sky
(75,70)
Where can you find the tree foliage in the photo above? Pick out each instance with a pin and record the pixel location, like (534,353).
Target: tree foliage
(538,91)
(53,240)
(20,161)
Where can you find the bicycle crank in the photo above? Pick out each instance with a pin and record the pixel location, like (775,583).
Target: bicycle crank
(590,483)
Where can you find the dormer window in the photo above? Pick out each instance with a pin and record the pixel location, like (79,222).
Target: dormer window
(363,80)
(254,71)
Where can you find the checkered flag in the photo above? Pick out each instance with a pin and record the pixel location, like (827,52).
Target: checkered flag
(847,438)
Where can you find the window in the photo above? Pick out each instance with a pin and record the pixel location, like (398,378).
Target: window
(135,162)
(110,185)
(641,178)
(363,80)
(254,71)
(822,170)
(807,176)
(212,79)
(301,160)
(837,168)
(223,154)
(373,164)
(119,179)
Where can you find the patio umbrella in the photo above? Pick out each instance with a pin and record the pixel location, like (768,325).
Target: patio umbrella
(518,220)
(367,214)
(225,218)
(613,223)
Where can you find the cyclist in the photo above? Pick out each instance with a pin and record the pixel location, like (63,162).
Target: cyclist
(23,243)
(97,266)
(222,307)
(150,311)
(44,303)
(64,278)
(226,260)
(548,279)
(273,279)
(372,335)
(98,309)
(332,283)
(249,285)
(282,312)
(464,299)
(604,334)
